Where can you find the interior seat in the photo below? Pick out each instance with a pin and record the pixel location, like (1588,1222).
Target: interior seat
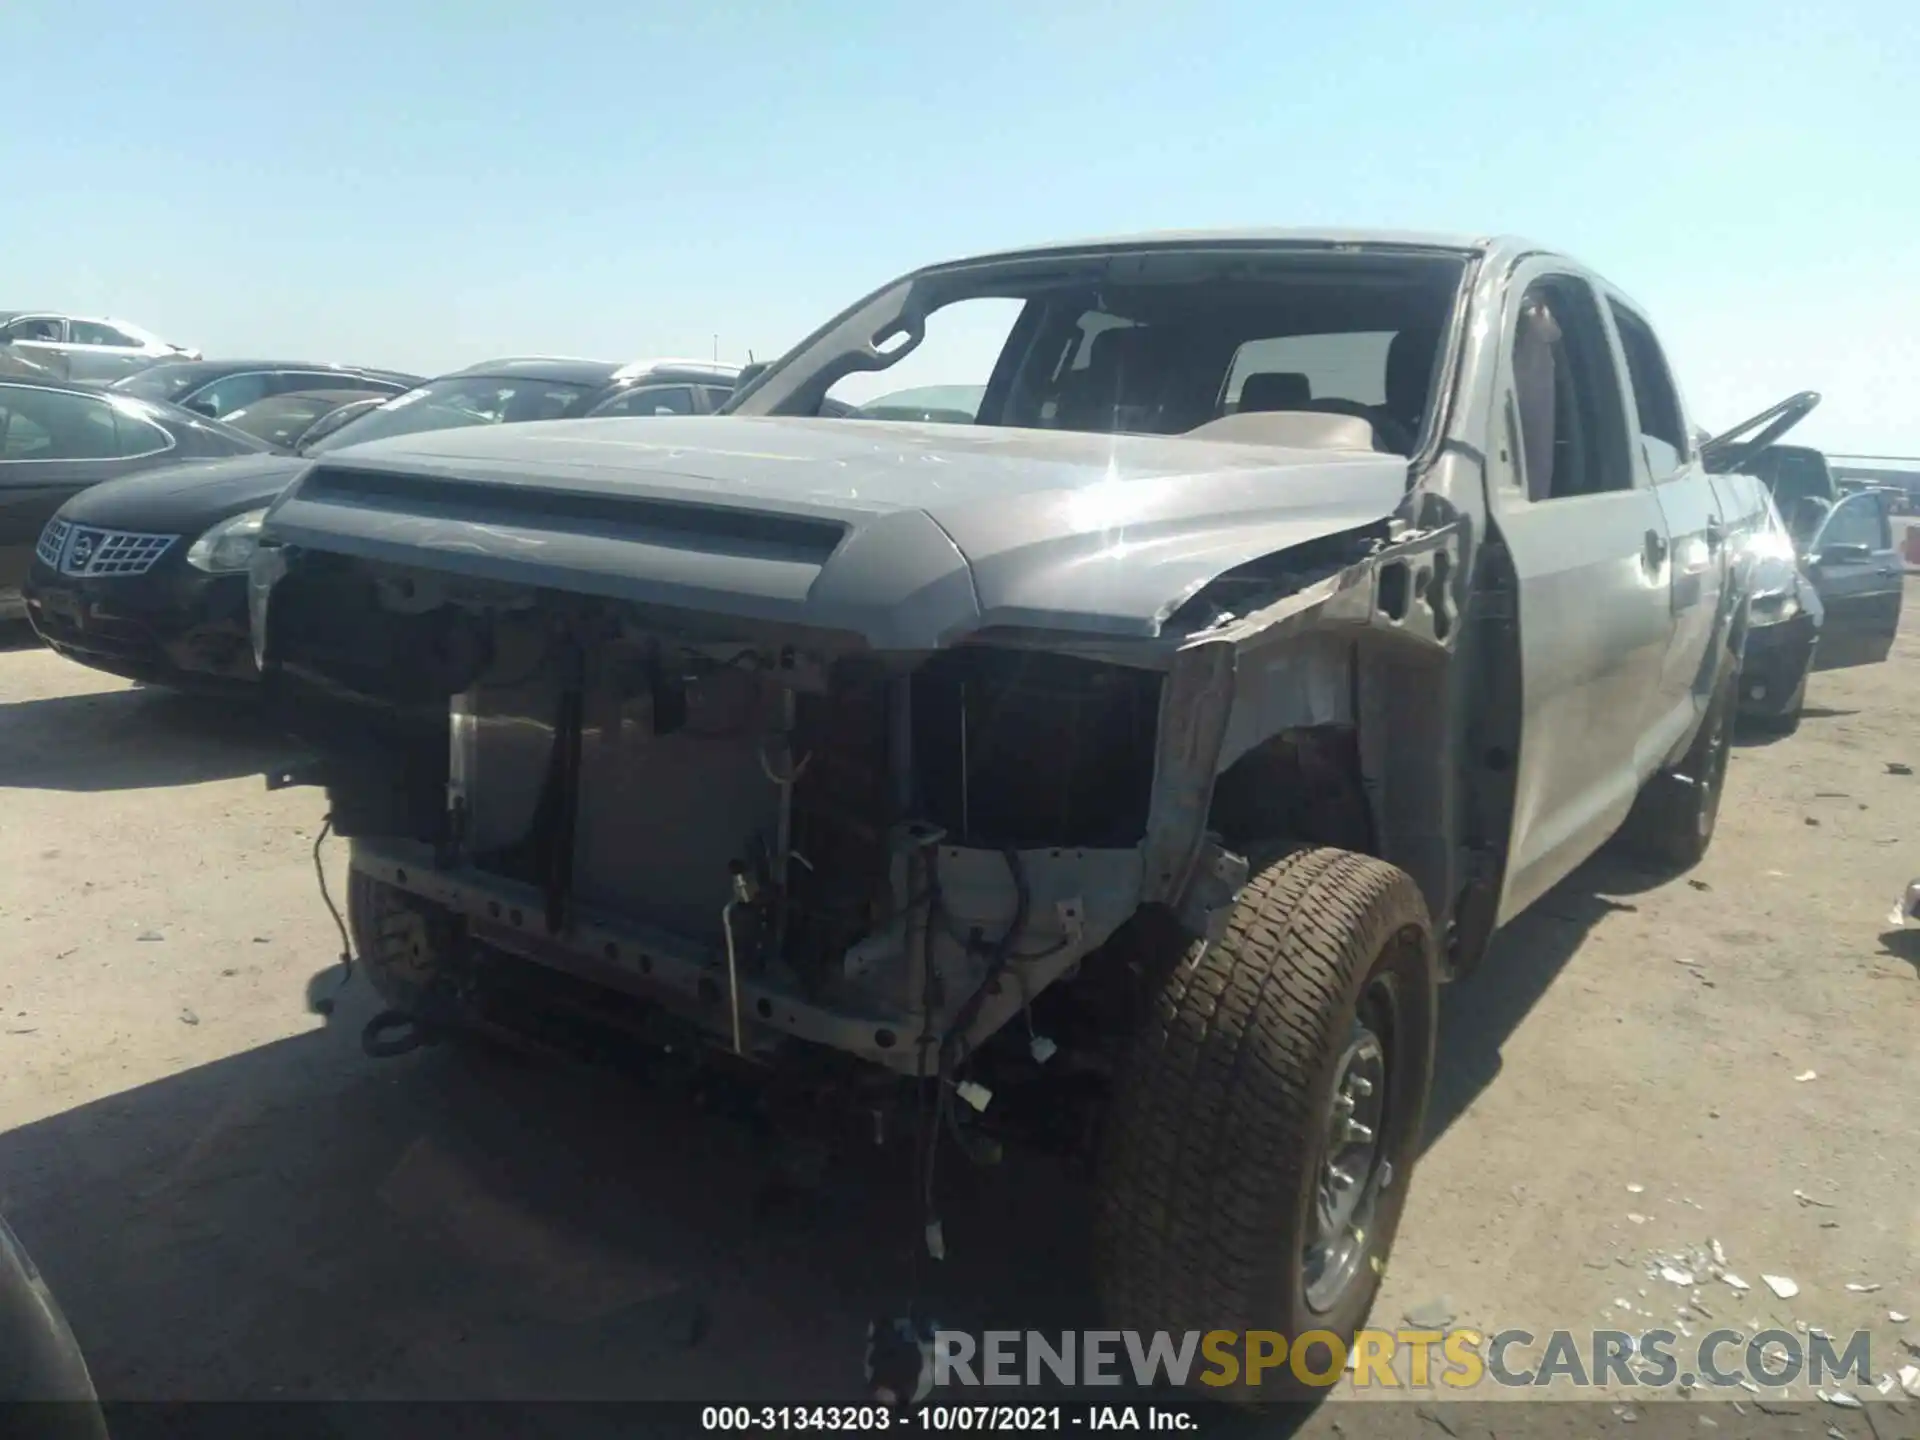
(1274,390)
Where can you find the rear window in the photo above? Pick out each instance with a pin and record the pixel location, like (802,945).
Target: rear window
(162,382)
(457,401)
(1342,365)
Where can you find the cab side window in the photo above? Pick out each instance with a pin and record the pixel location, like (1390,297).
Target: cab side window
(1663,437)
(1566,392)
(1858,520)
(35,327)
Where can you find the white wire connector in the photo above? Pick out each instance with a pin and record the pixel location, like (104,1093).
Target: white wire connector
(975,1094)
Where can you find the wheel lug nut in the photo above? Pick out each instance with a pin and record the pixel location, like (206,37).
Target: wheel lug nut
(1359,1134)
(1360,1085)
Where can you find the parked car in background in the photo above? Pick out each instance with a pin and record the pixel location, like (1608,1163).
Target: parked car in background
(57,439)
(84,347)
(1784,620)
(668,387)
(1830,583)
(182,621)
(285,420)
(218,387)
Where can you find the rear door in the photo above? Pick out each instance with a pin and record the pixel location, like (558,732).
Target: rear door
(98,351)
(1699,529)
(1859,575)
(1590,553)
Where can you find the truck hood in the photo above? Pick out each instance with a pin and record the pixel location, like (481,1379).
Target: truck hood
(908,535)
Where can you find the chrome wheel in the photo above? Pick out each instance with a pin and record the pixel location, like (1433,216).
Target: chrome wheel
(1353,1167)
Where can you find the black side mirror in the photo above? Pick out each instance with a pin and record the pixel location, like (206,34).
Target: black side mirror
(203,407)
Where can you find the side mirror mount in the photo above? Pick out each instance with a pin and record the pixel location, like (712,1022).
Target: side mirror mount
(203,407)
(749,374)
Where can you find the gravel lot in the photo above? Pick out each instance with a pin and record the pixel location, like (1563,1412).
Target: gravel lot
(232,1202)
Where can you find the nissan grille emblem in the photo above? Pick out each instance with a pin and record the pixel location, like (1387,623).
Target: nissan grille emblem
(81,553)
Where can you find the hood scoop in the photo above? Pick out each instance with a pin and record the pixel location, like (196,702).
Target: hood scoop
(636,518)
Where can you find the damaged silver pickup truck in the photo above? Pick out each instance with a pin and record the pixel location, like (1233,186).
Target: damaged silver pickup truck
(1295,610)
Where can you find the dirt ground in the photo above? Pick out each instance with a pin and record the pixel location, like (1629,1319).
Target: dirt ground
(231,1201)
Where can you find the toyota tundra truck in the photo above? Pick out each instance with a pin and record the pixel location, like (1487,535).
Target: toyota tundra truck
(1293,610)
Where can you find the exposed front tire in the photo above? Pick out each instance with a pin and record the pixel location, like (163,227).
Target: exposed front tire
(1264,1128)
(1673,818)
(407,946)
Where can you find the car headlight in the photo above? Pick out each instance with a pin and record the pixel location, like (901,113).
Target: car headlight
(1772,609)
(228,546)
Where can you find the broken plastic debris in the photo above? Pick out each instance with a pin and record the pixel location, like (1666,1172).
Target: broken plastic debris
(974,1093)
(1910,1380)
(1897,1317)
(1859,1289)
(1781,1286)
(1806,1075)
(1840,1398)
(1621,1304)
(1887,1382)
(1675,1277)
(1636,1218)
(1434,1314)
(1806,1199)
(1719,1255)
(1633,1189)
(1735,1281)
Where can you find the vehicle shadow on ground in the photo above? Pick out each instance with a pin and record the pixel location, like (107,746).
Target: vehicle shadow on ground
(1904,945)
(1481,1011)
(131,739)
(298,1221)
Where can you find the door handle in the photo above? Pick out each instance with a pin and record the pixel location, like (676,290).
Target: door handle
(1716,533)
(1888,570)
(1656,552)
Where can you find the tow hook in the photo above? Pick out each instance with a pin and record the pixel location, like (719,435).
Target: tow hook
(393,1033)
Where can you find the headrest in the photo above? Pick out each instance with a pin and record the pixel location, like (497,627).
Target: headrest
(1410,362)
(1274,390)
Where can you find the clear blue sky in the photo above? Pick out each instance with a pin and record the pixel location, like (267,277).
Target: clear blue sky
(423,184)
